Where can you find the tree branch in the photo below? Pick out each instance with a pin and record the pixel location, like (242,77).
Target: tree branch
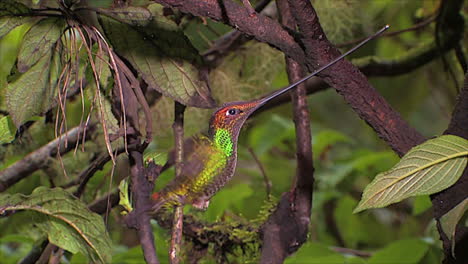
(286,229)
(139,217)
(352,84)
(260,27)
(229,42)
(142,178)
(447,199)
(37,159)
(343,76)
(177,224)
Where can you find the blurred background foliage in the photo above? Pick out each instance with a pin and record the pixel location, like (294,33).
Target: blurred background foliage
(347,153)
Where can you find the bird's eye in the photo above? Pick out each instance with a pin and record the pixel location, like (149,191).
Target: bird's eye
(232,111)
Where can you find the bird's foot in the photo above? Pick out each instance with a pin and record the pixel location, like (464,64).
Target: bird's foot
(201,204)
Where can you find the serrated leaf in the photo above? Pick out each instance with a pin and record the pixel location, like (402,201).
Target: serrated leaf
(426,169)
(450,220)
(175,78)
(168,37)
(67,222)
(29,94)
(10,18)
(7,130)
(38,41)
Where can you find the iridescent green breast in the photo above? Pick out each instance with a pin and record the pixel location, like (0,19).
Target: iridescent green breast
(204,169)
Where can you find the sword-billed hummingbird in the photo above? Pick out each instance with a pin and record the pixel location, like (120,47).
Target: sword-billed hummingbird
(209,163)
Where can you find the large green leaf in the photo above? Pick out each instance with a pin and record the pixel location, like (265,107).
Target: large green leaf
(38,41)
(409,251)
(426,169)
(10,18)
(175,78)
(66,221)
(130,14)
(7,130)
(315,253)
(450,220)
(29,95)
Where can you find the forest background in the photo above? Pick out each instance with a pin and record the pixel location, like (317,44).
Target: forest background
(58,72)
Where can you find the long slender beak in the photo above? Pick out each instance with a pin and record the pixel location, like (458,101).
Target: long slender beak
(262,101)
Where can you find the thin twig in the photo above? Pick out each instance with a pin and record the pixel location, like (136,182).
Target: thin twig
(139,218)
(417,26)
(177,225)
(176,235)
(262,170)
(248,6)
(287,228)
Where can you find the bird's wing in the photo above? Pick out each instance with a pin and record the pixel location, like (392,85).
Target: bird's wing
(198,156)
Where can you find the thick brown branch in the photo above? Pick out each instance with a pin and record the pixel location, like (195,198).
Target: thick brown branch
(447,199)
(343,76)
(126,103)
(352,84)
(295,206)
(103,204)
(259,26)
(37,159)
(139,218)
(229,42)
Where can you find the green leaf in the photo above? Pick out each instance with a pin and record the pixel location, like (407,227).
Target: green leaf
(156,156)
(9,16)
(261,139)
(168,36)
(38,41)
(227,198)
(313,252)
(327,138)
(347,223)
(67,222)
(175,78)
(450,220)
(132,255)
(421,204)
(29,95)
(409,251)
(130,14)
(426,169)
(125,200)
(7,130)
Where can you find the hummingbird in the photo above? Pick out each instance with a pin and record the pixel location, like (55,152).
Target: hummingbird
(210,160)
